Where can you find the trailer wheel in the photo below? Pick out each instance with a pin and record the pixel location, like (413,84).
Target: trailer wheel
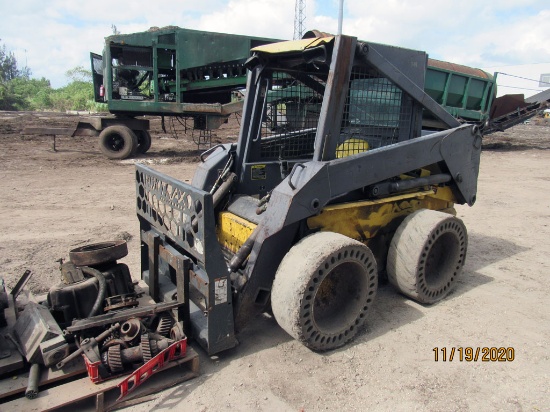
(144,141)
(117,142)
(323,290)
(427,254)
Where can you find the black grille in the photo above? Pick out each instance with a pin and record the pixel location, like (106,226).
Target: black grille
(373,114)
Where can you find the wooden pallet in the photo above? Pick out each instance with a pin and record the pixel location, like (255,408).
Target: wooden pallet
(85,395)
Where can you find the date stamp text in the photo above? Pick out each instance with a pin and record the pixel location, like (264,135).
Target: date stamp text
(474,354)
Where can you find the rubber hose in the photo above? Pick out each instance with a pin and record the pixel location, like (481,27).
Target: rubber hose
(102,288)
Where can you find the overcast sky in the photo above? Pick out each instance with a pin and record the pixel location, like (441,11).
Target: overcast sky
(508,36)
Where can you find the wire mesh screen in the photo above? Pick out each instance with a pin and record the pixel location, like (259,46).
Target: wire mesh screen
(374,113)
(290,117)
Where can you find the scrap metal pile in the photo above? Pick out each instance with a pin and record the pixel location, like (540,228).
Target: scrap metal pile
(95,313)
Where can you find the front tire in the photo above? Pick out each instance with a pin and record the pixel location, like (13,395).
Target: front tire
(427,254)
(118,142)
(323,290)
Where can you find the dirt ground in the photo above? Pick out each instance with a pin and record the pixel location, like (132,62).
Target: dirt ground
(51,202)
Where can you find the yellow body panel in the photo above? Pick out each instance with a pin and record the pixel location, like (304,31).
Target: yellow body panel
(350,147)
(292,45)
(364,220)
(232,231)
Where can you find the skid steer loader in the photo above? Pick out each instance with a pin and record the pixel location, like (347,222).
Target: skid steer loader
(332,184)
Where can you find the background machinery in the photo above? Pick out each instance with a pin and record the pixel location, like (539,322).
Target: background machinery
(346,170)
(166,72)
(194,74)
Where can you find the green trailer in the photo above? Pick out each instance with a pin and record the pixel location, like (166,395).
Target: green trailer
(172,71)
(466,93)
(463,91)
(198,75)
(168,72)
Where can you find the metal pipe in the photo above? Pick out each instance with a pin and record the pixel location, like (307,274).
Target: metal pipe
(390,188)
(223,189)
(340,16)
(243,252)
(218,196)
(34,378)
(98,305)
(419,182)
(86,343)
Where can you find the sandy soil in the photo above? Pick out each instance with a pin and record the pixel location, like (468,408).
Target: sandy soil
(52,202)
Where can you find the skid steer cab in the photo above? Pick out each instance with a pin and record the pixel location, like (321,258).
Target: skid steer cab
(333,183)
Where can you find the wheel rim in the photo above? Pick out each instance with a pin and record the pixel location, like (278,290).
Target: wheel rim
(337,299)
(116,143)
(442,260)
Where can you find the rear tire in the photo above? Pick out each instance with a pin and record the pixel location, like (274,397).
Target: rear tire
(427,254)
(323,290)
(118,142)
(144,141)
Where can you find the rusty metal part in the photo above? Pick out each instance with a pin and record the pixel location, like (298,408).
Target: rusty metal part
(458,68)
(77,300)
(315,34)
(112,317)
(109,342)
(130,329)
(145,348)
(154,347)
(176,333)
(121,301)
(114,360)
(71,274)
(34,378)
(164,326)
(136,354)
(88,343)
(98,253)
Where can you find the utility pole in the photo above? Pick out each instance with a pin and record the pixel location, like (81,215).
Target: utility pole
(299,19)
(340,16)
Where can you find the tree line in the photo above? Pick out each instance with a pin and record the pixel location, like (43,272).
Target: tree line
(18,91)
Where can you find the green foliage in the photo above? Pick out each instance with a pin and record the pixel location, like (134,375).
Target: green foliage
(8,100)
(8,65)
(79,74)
(19,92)
(31,94)
(77,95)
(8,71)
